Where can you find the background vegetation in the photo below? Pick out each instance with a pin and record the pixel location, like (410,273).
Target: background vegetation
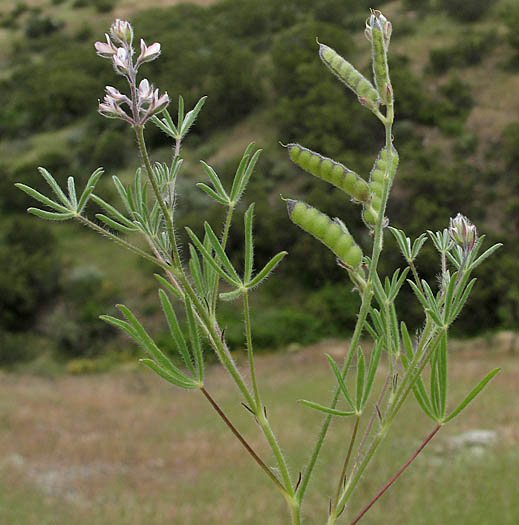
(454,65)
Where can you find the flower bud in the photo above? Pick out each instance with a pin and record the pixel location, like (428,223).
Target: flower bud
(121,61)
(105,49)
(148,53)
(110,109)
(145,92)
(463,232)
(116,95)
(122,32)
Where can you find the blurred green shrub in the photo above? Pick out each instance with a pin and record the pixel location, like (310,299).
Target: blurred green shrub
(31,268)
(470,49)
(39,26)
(466,10)
(75,324)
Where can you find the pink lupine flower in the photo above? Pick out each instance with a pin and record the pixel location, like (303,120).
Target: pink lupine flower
(145,92)
(148,53)
(105,49)
(117,96)
(121,61)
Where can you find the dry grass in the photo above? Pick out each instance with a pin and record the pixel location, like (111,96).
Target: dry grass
(127,448)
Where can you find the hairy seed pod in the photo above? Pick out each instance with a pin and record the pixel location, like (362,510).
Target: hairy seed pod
(376,185)
(330,171)
(332,233)
(348,75)
(380,33)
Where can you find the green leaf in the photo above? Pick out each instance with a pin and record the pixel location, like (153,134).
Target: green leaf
(180,111)
(186,383)
(448,296)
(442,373)
(169,286)
(249,246)
(418,294)
(147,341)
(51,216)
(114,212)
(232,295)
(372,369)
(328,410)
(208,258)
(462,300)
(72,192)
(220,253)
(115,225)
(123,193)
(40,197)
(360,378)
(434,316)
(119,323)
(418,245)
(435,394)
(340,380)
(218,186)
(205,188)
(168,128)
(196,271)
(175,330)
(396,284)
(473,393)
(485,255)
(244,179)
(266,270)
(55,187)
(191,117)
(89,188)
(380,294)
(195,340)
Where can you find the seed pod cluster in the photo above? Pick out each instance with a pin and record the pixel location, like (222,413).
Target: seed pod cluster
(376,184)
(380,34)
(331,233)
(330,171)
(347,74)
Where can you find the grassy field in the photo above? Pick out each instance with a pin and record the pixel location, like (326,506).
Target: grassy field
(126,448)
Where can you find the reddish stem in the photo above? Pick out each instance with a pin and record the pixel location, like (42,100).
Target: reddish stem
(395,476)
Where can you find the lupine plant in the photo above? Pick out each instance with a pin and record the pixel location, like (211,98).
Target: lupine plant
(382,345)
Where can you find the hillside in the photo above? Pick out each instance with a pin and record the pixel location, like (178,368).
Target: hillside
(455,78)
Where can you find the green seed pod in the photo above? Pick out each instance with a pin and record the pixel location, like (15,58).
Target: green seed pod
(330,171)
(348,75)
(376,185)
(380,32)
(332,233)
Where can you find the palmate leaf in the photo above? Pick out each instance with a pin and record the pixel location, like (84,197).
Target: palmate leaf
(159,362)
(69,207)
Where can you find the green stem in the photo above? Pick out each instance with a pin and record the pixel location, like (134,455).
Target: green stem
(250,353)
(225,236)
(346,461)
(139,132)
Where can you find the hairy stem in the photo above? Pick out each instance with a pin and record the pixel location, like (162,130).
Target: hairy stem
(139,132)
(346,461)
(250,353)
